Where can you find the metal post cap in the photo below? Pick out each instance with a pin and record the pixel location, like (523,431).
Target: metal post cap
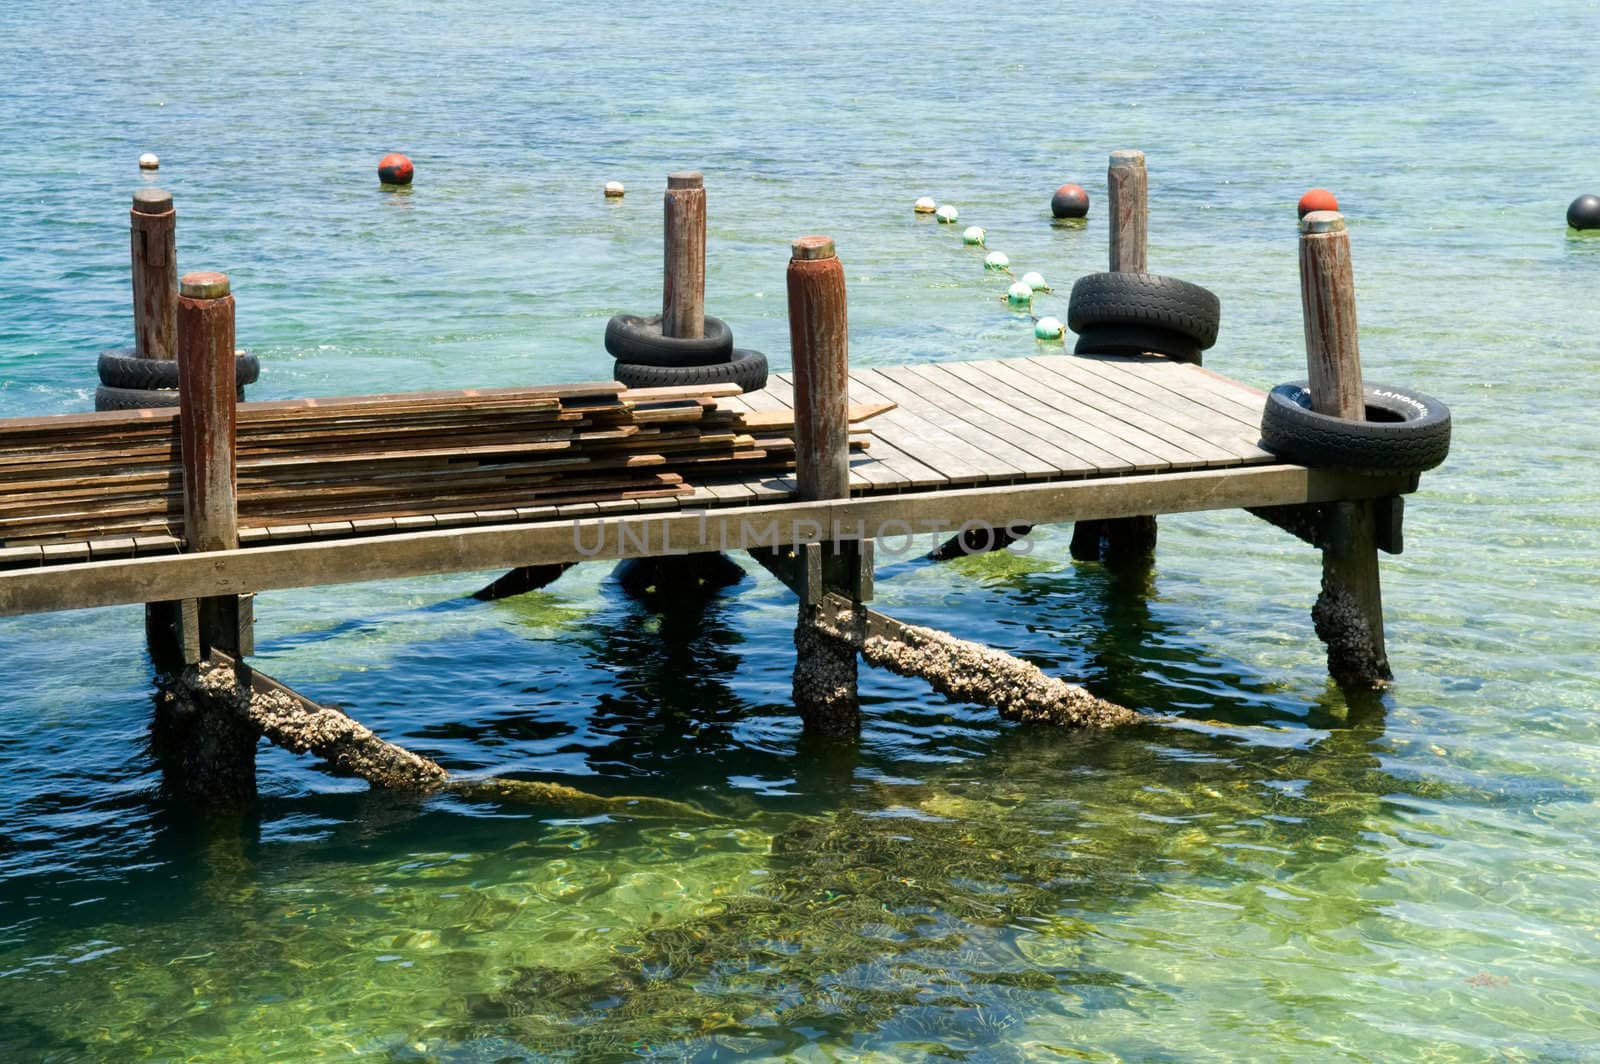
(203,285)
(813,247)
(1322,222)
(686,179)
(152,201)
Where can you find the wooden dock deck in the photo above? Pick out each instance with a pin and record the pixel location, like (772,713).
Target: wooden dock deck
(1023,441)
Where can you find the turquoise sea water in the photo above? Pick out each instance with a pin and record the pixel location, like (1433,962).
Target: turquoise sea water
(1290,875)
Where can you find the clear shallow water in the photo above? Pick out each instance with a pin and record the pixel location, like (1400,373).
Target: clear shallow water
(1286,876)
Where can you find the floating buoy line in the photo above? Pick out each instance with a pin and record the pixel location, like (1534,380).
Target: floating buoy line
(1020,294)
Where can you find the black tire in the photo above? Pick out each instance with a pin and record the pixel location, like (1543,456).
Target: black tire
(107,397)
(121,368)
(1145,299)
(747,369)
(1112,339)
(630,338)
(1405,432)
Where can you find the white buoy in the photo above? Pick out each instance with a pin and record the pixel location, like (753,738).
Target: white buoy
(947,214)
(149,161)
(996,260)
(1035,280)
(1019,295)
(614,190)
(1047,329)
(973,235)
(925,205)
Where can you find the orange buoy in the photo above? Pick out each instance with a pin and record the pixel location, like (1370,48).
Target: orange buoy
(394,169)
(1318,199)
(1069,201)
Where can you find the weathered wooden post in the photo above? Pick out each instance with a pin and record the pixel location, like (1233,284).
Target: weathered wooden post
(210,749)
(683,289)
(683,314)
(152,231)
(1349,611)
(1128,191)
(153,225)
(1128,194)
(825,665)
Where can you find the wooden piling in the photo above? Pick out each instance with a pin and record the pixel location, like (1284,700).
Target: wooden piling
(207,411)
(825,665)
(818,335)
(1128,193)
(1127,539)
(1349,611)
(683,290)
(208,414)
(207,748)
(153,230)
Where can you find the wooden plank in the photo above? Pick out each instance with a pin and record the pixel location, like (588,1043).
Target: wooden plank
(782,420)
(1224,394)
(277,533)
(885,467)
(1123,445)
(58,553)
(21,557)
(988,456)
(1148,433)
(1136,405)
(1043,420)
(502,547)
(981,408)
(912,434)
(1201,429)
(156,545)
(113,547)
(1145,380)
(696,391)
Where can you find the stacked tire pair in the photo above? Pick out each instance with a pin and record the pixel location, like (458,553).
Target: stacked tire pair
(1139,313)
(128,382)
(648,358)
(1404,431)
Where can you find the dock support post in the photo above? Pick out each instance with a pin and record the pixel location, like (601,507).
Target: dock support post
(210,750)
(1349,611)
(1125,539)
(152,232)
(683,289)
(683,314)
(153,226)
(825,665)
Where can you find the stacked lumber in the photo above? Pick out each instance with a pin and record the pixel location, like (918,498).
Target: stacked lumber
(91,476)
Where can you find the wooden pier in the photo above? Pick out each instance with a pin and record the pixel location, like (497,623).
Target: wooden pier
(1022,441)
(203,505)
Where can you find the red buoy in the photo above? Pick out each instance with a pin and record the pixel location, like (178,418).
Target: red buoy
(1318,199)
(1069,201)
(394,169)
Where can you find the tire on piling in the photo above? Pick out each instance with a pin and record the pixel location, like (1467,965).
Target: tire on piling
(120,368)
(747,369)
(1111,338)
(1405,431)
(107,397)
(1148,300)
(640,341)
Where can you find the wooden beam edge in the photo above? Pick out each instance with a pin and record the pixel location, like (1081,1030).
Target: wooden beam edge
(432,551)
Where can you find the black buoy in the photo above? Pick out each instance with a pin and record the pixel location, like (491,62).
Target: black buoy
(1070,201)
(1584,213)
